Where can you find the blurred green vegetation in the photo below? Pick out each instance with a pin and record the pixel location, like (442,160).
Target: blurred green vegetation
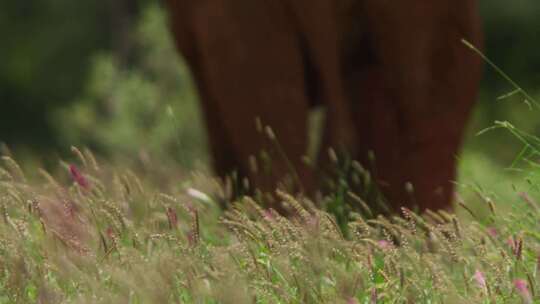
(105,74)
(512,40)
(46,48)
(148,108)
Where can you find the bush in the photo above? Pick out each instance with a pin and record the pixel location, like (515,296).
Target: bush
(148,108)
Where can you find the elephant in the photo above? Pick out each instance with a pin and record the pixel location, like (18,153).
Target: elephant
(393,77)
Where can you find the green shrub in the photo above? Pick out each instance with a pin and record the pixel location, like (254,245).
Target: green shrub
(150,107)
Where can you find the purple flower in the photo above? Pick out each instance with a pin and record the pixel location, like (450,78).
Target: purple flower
(352,300)
(78,177)
(523,290)
(492,231)
(480,279)
(512,243)
(268,215)
(384,244)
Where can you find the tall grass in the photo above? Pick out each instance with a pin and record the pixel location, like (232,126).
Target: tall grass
(98,234)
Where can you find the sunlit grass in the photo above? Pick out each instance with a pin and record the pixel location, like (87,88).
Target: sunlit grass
(100,234)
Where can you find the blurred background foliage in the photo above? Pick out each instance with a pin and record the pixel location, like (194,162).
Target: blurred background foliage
(148,107)
(105,74)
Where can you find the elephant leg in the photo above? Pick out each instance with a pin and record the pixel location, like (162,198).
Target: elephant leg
(251,66)
(430,79)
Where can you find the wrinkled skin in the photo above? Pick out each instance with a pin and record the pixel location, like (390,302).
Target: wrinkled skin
(393,77)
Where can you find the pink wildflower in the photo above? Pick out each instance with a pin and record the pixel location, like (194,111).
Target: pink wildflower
(523,290)
(512,243)
(268,215)
(352,300)
(480,279)
(492,231)
(516,245)
(78,177)
(384,244)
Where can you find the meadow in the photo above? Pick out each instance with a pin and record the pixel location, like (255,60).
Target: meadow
(140,221)
(96,233)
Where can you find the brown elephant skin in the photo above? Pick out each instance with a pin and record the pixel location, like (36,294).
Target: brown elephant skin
(393,77)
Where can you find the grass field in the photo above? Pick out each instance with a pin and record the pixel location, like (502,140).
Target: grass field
(147,231)
(95,233)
